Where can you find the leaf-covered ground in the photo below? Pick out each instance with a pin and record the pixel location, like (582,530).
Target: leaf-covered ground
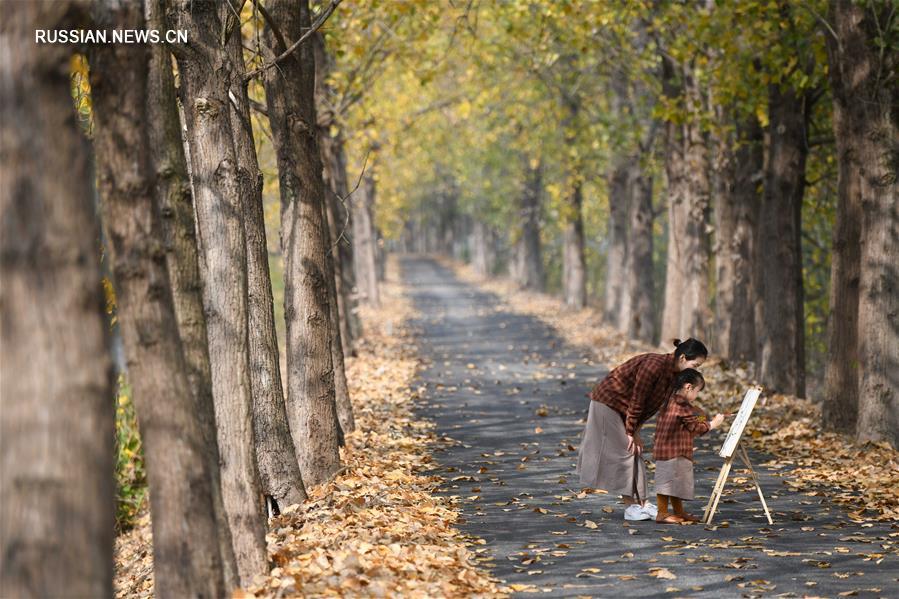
(377,529)
(510,391)
(863,477)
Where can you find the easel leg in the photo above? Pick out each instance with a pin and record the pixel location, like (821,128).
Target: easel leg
(755,480)
(713,494)
(725,470)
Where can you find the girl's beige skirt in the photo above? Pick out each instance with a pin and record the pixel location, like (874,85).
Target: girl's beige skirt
(675,478)
(603,461)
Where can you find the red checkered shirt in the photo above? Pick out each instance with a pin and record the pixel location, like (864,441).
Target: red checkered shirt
(678,423)
(637,388)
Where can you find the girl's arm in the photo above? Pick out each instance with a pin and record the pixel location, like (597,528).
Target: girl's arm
(695,423)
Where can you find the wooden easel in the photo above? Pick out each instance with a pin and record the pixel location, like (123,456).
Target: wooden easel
(732,446)
(722,478)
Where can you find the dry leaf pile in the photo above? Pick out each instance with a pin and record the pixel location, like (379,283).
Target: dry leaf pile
(377,529)
(863,477)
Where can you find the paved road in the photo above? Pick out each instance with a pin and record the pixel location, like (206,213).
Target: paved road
(512,396)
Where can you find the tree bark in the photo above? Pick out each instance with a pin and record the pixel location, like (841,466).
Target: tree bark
(639,279)
(340,223)
(310,372)
(841,377)
(365,249)
(529,267)
(483,255)
(56,413)
(866,236)
(175,203)
(345,419)
(686,312)
(575,279)
(206,73)
(171,428)
(334,173)
(781,330)
(279,471)
(739,168)
(616,256)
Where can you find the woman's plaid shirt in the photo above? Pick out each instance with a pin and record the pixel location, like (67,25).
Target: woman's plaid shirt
(637,388)
(678,423)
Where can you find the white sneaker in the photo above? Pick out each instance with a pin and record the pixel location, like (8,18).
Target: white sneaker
(636,512)
(651,509)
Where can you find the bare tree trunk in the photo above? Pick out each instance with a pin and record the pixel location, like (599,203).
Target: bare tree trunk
(640,286)
(482,249)
(781,331)
(340,224)
(365,241)
(173,197)
(575,281)
(841,378)
(616,256)
(345,418)
(310,371)
(529,269)
(739,164)
(206,73)
(867,126)
(56,392)
(170,426)
(279,471)
(686,312)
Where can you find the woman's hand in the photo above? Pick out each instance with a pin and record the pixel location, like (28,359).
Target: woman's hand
(634,444)
(716,421)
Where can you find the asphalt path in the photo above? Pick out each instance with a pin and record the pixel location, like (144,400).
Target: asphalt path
(508,397)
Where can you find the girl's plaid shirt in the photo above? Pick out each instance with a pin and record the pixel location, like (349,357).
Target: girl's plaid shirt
(678,423)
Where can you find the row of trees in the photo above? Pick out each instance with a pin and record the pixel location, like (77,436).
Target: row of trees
(180,195)
(720,170)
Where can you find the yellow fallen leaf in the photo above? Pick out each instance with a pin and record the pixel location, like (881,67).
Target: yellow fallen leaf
(662,573)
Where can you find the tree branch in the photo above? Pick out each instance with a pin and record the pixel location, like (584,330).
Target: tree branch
(315,27)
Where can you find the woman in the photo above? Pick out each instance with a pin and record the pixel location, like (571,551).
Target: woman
(631,394)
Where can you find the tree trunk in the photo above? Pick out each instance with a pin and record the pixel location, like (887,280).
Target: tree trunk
(56,393)
(781,330)
(206,72)
(686,312)
(616,256)
(739,166)
(170,426)
(639,280)
(867,126)
(174,197)
(289,91)
(529,269)
(340,224)
(841,377)
(279,471)
(483,257)
(575,280)
(365,249)
(345,418)
(175,202)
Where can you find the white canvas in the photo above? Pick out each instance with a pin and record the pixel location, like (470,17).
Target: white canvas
(736,429)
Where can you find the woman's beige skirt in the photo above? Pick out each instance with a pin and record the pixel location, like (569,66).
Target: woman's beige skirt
(603,461)
(675,478)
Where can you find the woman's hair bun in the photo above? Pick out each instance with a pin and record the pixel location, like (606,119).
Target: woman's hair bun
(677,342)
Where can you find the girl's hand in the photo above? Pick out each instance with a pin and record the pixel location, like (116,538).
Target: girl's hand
(716,421)
(634,444)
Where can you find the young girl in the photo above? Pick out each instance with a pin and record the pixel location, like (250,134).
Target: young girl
(678,423)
